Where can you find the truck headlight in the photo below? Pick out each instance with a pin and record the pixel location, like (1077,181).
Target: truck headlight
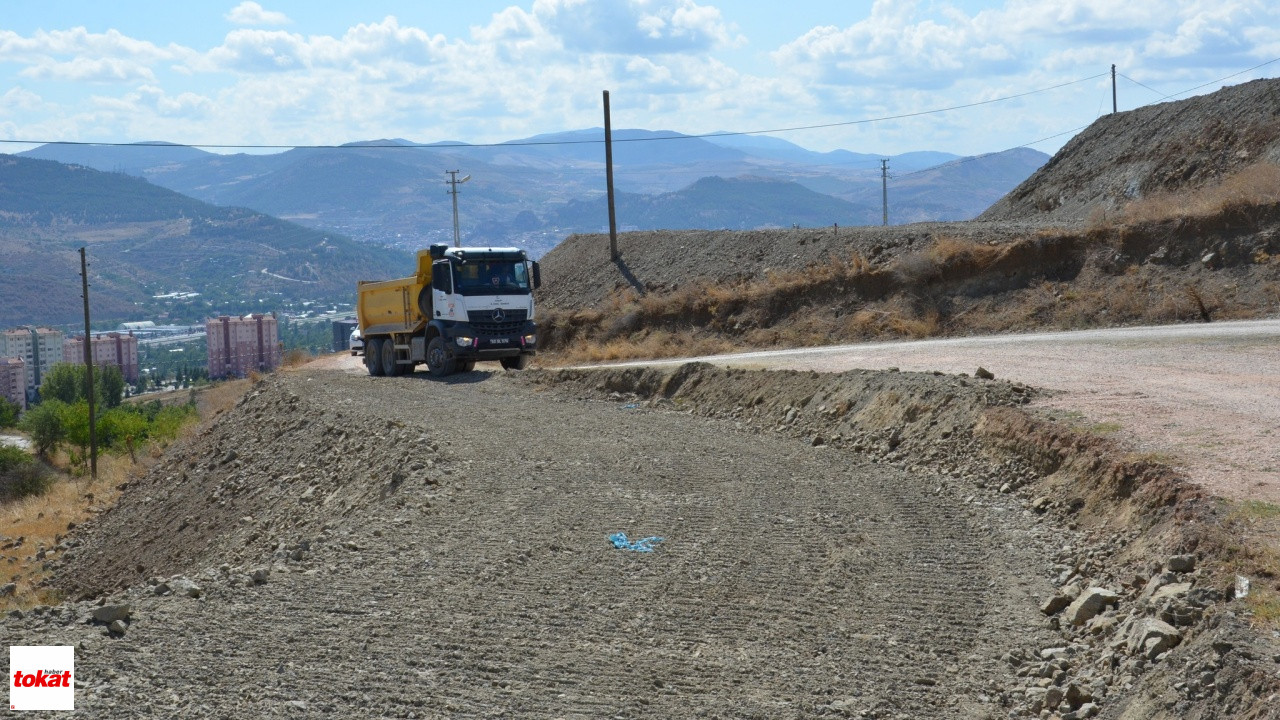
(530,339)
(463,341)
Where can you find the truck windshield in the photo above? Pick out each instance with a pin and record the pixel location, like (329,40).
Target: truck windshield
(496,277)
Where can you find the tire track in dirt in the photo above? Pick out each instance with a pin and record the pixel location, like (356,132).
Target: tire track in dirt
(793,581)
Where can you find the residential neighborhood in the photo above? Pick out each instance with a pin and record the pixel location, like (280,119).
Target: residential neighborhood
(238,345)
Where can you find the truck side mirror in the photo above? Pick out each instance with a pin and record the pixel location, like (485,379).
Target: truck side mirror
(537,276)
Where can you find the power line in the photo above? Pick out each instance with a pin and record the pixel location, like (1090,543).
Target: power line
(962,161)
(529,143)
(1221,79)
(1135,82)
(971,158)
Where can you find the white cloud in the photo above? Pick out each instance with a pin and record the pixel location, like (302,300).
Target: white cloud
(893,47)
(251,13)
(80,42)
(634,26)
(19,99)
(540,66)
(363,46)
(81,69)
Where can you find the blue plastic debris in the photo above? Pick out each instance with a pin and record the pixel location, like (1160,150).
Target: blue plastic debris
(621,542)
(630,406)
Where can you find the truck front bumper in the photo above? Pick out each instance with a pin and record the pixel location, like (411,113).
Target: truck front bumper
(468,343)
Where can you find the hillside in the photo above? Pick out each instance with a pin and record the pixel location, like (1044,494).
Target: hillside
(535,191)
(1170,147)
(1198,240)
(145,240)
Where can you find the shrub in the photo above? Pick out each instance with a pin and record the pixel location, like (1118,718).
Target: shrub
(9,412)
(21,475)
(44,424)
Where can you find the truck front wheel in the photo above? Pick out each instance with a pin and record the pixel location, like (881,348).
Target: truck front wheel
(519,362)
(439,361)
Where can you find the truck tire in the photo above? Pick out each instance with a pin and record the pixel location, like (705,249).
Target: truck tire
(439,361)
(388,359)
(466,365)
(519,362)
(373,357)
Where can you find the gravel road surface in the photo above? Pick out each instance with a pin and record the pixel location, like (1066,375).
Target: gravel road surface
(1206,396)
(478,579)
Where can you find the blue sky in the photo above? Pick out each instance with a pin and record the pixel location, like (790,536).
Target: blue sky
(294,73)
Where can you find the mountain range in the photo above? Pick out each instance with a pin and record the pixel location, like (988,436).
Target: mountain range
(145,241)
(535,191)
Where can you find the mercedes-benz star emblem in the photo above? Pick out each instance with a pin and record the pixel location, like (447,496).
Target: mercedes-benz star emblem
(498,315)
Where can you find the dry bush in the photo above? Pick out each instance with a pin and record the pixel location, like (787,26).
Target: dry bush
(951,251)
(947,258)
(297,357)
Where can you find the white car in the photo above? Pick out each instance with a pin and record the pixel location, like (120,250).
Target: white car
(356,342)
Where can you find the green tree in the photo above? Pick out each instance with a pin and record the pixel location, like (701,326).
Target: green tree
(110,383)
(122,424)
(75,423)
(9,412)
(63,383)
(44,424)
(68,383)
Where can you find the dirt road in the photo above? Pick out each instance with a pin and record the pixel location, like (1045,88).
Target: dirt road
(441,549)
(1206,396)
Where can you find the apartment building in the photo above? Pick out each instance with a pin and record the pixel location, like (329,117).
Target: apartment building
(241,345)
(39,348)
(113,348)
(13,380)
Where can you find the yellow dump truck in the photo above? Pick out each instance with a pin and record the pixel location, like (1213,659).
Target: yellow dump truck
(461,306)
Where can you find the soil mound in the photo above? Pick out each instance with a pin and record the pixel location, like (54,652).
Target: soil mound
(1170,147)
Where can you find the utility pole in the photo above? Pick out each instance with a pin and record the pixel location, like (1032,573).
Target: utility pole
(88,367)
(608,175)
(884,188)
(454,182)
(1113,89)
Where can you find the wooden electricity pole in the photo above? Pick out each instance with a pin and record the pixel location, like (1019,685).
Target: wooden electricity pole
(1113,89)
(88,368)
(608,175)
(884,189)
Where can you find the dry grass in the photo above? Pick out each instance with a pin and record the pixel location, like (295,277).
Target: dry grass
(1265,606)
(1253,186)
(954,286)
(218,398)
(42,520)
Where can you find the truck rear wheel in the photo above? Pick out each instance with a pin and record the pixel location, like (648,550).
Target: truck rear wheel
(519,362)
(388,358)
(373,357)
(439,361)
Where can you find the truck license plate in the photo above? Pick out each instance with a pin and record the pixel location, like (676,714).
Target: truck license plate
(500,341)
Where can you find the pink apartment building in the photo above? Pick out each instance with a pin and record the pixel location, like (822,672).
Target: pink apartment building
(112,348)
(241,345)
(13,380)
